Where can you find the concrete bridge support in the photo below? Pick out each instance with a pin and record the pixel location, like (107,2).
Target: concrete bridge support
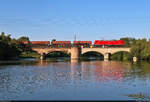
(134,59)
(75,52)
(42,57)
(106,56)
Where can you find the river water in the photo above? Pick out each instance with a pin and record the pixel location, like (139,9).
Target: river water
(74,80)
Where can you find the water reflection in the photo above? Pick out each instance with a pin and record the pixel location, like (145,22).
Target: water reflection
(109,70)
(101,70)
(76,79)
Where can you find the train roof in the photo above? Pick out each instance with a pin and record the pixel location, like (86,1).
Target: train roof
(61,42)
(40,42)
(82,42)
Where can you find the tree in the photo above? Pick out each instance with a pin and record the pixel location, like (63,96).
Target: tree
(5,38)
(139,49)
(53,40)
(11,48)
(128,41)
(23,38)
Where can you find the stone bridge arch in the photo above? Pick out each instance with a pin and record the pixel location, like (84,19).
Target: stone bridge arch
(45,51)
(93,54)
(105,51)
(92,51)
(115,50)
(86,50)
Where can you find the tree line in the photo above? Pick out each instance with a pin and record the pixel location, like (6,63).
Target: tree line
(11,48)
(140,48)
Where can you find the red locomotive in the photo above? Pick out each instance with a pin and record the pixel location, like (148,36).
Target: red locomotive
(109,43)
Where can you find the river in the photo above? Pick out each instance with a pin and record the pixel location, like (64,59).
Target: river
(32,79)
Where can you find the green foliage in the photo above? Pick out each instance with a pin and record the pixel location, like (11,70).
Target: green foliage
(92,54)
(128,41)
(139,96)
(53,40)
(29,54)
(58,54)
(140,48)
(121,56)
(5,38)
(10,47)
(23,38)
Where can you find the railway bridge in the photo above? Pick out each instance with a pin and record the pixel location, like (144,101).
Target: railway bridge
(77,51)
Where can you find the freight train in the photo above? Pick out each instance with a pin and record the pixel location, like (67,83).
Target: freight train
(97,43)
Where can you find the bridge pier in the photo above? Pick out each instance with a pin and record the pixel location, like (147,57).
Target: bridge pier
(134,59)
(42,57)
(75,53)
(106,56)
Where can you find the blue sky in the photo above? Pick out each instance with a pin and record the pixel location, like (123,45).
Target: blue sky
(88,19)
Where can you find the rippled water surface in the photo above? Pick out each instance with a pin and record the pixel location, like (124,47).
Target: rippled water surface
(74,80)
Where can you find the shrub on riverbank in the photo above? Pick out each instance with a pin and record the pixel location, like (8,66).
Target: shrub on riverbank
(10,48)
(121,56)
(29,54)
